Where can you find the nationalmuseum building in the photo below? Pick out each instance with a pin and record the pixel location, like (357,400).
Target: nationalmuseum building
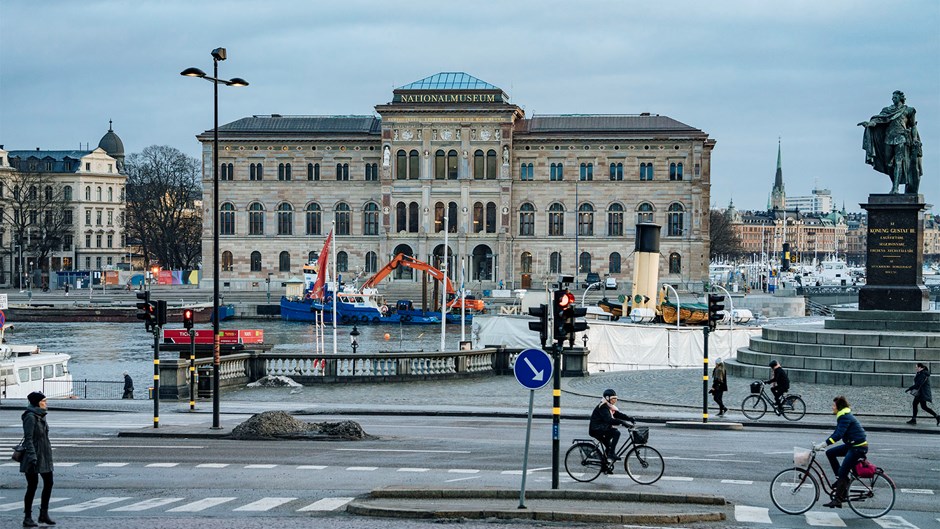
(522,199)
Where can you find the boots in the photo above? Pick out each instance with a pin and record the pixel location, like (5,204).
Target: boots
(839,494)
(44,518)
(28,520)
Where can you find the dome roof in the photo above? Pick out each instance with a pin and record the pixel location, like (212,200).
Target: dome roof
(111,143)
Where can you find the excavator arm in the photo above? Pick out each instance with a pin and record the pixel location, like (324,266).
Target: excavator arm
(416,264)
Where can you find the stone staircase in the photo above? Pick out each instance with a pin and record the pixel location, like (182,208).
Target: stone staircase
(856,348)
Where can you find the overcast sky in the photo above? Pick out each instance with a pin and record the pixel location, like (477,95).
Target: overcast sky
(745,72)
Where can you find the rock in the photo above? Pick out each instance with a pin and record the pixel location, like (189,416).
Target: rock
(274,382)
(271,425)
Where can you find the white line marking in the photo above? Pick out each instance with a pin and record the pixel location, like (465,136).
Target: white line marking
(894,522)
(311,467)
(445,481)
(462,471)
(65,464)
(19,504)
(91,504)
(326,504)
(719,455)
(824,519)
(737,481)
(264,504)
(776,453)
(406,451)
(746,513)
(917,491)
(112,465)
(9,465)
(201,505)
(212,465)
(362,469)
(152,503)
(260,466)
(413,469)
(676,478)
(161,465)
(677,458)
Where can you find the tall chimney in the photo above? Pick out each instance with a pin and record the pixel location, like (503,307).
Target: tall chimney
(645,272)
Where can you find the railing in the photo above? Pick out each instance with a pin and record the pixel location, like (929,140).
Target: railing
(307,368)
(84,389)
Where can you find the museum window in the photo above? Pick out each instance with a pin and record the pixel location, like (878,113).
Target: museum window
(675,263)
(372,172)
(227,219)
(438,217)
(556,172)
(414,166)
(615,220)
(675,171)
(584,263)
(66,193)
(312,222)
(554,263)
(490,217)
(284,172)
(342,262)
(401,165)
(312,257)
(527,220)
(255,171)
(674,220)
(370,219)
(646,171)
(283,262)
(526,172)
(479,165)
(451,217)
(478,217)
(401,217)
(440,165)
(413,217)
(285,219)
(256,219)
(452,165)
(525,262)
(226,261)
(586,220)
(255,261)
(372,262)
(556,220)
(587,172)
(342,171)
(226,170)
(342,219)
(616,171)
(32,193)
(491,164)
(613,263)
(87,193)
(644,213)
(313,171)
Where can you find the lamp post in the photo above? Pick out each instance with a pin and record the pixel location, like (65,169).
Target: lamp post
(218,54)
(354,338)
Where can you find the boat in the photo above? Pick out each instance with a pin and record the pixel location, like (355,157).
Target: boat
(25,369)
(614,309)
(689,313)
(70,312)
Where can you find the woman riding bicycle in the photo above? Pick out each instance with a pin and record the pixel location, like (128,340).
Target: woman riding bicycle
(604,421)
(853,448)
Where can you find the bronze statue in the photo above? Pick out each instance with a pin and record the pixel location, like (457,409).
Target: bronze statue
(892,145)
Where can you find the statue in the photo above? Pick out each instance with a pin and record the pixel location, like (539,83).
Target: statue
(892,145)
(505,155)
(386,157)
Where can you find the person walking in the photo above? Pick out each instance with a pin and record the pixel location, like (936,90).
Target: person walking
(128,387)
(921,391)
(37,461)
(719,385)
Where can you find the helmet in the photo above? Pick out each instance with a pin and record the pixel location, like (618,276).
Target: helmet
(773,363)
(609,393)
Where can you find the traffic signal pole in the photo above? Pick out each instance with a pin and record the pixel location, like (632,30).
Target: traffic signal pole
(705,330)
(192,370)
(156,376)
(556,413)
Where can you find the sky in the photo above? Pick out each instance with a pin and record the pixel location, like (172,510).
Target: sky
(746,72)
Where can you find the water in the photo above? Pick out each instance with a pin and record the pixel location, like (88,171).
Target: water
(103,351)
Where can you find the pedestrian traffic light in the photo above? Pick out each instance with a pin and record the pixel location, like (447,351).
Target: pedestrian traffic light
(143,308)
(541,326)
(715,305)
(562,301)
(161,313)
(188,319)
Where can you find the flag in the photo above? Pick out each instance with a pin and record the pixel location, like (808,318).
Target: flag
(321,268)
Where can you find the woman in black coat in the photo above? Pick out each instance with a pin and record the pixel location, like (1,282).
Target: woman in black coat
(37,461)
(921,392)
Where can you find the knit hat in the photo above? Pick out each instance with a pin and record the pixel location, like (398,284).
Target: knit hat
(719,361)
(35,398)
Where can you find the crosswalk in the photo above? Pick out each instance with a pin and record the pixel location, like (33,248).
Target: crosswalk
(127,504)
(761,516)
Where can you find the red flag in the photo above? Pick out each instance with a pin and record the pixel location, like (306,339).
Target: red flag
(321,268)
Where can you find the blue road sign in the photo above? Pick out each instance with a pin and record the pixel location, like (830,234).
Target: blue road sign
(533,368)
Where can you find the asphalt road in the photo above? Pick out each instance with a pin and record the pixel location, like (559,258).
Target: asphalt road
(102,479)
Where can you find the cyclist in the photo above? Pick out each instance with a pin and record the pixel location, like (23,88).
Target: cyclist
(853,448)
(604,421)
(779,383)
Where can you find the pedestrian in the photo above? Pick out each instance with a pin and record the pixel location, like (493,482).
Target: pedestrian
(37,461)
(128,387)
(66,290)
(719,386)
(921,392)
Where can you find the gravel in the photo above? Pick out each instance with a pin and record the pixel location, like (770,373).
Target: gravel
(272,425)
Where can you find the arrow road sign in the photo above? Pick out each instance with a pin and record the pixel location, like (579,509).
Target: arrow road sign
(533,368)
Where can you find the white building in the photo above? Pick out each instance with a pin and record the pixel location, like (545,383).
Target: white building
(820,202)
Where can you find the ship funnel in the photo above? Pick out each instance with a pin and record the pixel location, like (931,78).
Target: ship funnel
(645,271)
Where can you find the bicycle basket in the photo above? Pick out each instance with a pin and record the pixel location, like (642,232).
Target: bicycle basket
(865,469)
(755,387)
(640,435)
(801,457)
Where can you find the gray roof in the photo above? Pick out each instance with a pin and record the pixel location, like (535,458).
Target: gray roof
(603,123)
(112,144)
(42,155)
(449,81)
(278,124)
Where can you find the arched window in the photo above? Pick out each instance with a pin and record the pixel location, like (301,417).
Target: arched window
(527,219)
(312,222)
(342,171)
(646,171)
(342,219)
(452,165)
(675,171)
(615,220)
(556,220)
(616,171)
(674,219)
(312,257)
(227,219)
(256,219)
(66,193)
(110,194)
(490,217)
(372,172)
(584,263)
(342,262)
(403,272)
(225,171)
(614,263)
(401,165)
(675,263)
(478,217)
(283,171)
(557,172)
(370,219)
(587,172)
(644,213)
(255,171)
(48,192)
(413,217)
(525,262)
(313,171)
(586,220)
(451,217)
(491,171)
(401,217)
(440,165)
(414,167)
(438,217)
(285,219)
(97,194)
(255,261)
(283,262)
(227,261)
(87,193)
(554,263)
(526,172)
(482,263)
(372,263)
(479,165)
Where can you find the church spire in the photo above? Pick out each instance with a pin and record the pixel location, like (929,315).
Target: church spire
(778,195)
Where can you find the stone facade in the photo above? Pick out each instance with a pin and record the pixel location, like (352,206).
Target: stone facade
(507,187)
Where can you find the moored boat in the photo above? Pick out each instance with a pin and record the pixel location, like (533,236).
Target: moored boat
(689,314)
(24,369)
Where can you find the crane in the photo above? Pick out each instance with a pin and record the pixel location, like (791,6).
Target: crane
(416,264)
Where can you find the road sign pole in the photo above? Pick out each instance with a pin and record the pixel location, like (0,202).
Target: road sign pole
(556,415)
(705,377)
(156,376)
(192,370)
(525,456)
(532,368)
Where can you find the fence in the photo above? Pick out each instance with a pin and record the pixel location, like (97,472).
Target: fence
(84,389)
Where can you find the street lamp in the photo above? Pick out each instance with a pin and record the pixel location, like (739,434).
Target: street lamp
(218,54)
(354,338)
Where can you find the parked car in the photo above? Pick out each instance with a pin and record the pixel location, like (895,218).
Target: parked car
(590,279)
(610,282)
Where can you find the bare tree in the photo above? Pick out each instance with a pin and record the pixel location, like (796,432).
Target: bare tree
(724,241)
(163,186)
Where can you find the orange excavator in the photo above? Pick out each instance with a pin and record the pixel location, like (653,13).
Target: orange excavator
(453,300)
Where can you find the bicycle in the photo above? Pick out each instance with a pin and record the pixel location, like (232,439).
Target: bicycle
(585,460)
(795,490)
(755,405)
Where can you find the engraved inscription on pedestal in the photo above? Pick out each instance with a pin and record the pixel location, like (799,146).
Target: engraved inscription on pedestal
(892,251)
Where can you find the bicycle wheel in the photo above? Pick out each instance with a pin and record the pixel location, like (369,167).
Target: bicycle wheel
(871,497)
(644,464)
(584,462)
(793,408)
(753,407)
(794,490)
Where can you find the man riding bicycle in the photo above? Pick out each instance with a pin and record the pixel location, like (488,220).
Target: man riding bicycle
(604,421)
(779,383)
(854,447)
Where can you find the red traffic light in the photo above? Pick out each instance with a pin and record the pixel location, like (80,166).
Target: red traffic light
(566,300)
(188,318)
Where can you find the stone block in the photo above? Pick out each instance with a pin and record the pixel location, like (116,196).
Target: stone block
(819,364)
(868,379)
(871,353)
(760,345)
(901,353)
(933,341)
(750,357)
(913,326)
(806,337)
(802,375)
(770,333)
(927,355)
(903,340)
(830,338)
(809,350)
(835,351)
(787,336)
(834,378)
(856,325)
(864,339)
(898,368)
(795,362)
(856,366)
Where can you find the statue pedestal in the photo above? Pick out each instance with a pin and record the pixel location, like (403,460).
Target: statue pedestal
(894,267)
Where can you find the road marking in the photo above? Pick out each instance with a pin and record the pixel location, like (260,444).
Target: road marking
(326,504)
(172,447)
(676,478)
(719,455)
(462,471)
(10,465)
(746,513)
(677,458)
(776,453)
(212,465)
(737,481)
(917,491)
(311,467)
(362,469)
(824,519)
(112,465)
(406,451)
(894,522)
(445,481)
(90,504)
(161,465)
(18,505)
(413,469)
(152,503)
(66,464)
(201,505)
(260,466)
(264,504)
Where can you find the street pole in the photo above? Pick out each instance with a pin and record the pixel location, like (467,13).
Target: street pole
(192,370)
(156,376)
(556,411)
(705,330)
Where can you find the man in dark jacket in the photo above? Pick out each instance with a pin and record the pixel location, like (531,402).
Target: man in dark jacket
(604,421)
(128,387)
(922,394)
(37,460)
(779,383)
(853,448)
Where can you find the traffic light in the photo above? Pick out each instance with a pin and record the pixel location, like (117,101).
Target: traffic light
(143,307)
(572,325)
(715,305)
(161,313)
(188,319)
(563,300)
(541,326)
